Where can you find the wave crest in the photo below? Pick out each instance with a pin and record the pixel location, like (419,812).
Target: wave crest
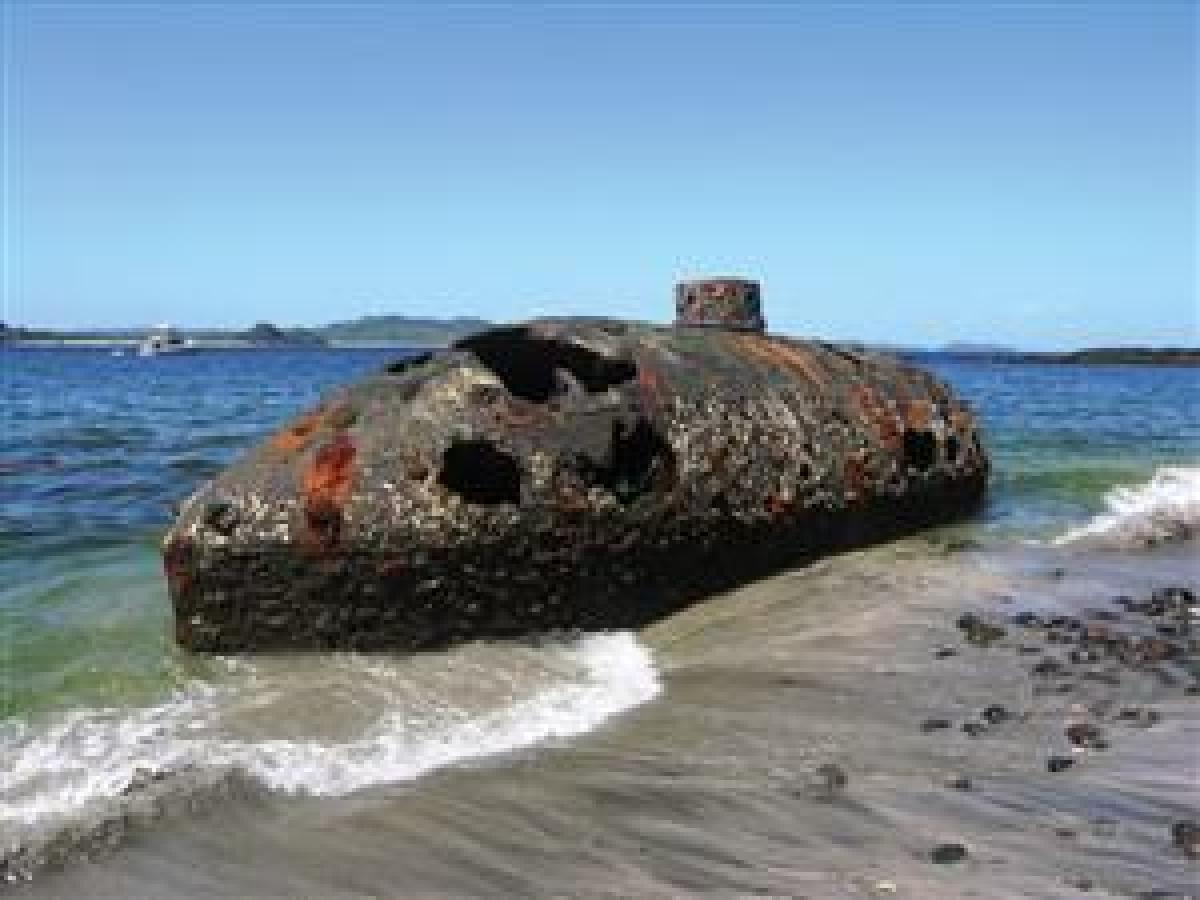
(1165,508)
(76,783)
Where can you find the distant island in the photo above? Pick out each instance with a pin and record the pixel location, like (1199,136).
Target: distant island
(409,332)
(368,331)
(1095,356)
(1161,356)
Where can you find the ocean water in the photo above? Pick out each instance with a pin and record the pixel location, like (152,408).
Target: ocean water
(681,759)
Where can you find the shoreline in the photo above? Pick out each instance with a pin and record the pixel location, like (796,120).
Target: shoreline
(797,746)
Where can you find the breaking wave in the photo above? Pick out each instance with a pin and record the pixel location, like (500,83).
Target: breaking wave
(93,767)
(1165,508)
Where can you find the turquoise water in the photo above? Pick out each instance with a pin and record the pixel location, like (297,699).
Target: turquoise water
(96,450)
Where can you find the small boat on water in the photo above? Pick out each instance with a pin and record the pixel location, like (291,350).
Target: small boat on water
(164,339)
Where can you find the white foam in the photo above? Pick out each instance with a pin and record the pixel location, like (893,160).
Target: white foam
(1167,507)
(50,773)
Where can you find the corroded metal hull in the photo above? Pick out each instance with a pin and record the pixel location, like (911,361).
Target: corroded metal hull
(562,474)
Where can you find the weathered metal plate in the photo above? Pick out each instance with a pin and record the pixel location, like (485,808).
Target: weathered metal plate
(562,474)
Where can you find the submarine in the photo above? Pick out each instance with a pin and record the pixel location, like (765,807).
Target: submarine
(566,474)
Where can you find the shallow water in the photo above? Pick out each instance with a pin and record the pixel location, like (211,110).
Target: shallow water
(681,759)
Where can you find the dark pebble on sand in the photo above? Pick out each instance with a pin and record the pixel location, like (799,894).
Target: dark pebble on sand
(1165,678)
(983,634)
(1192,690)
(944,854)
(1029,648)
(973,729)
(1103,615)
(934,725)
(1176,599)
(960,783)
(1137,715)
(1026,619)
(945,652)
(1059,763)
(832,780)
(1156,649)
(1066,833)
(1047,667)
(1083,734)
(995,714)
(1186,836)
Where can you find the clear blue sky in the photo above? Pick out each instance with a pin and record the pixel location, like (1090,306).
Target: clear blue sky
(920,173)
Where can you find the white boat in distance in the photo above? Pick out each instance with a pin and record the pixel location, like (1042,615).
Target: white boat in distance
(163,339)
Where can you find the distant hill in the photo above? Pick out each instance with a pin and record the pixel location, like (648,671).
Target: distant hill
(967,347)
(1158,356)
(402,330)
(266,334)
(396,330)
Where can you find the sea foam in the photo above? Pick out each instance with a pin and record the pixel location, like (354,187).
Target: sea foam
(90,760)
(1165,508)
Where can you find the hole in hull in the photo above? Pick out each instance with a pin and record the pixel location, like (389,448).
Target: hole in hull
(920,449)
(639,460)
(479,473)
(529,366)
(952,448)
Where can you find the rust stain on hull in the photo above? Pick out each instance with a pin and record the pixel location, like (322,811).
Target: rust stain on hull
(325,486)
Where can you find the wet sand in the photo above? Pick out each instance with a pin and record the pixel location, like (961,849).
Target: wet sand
(729,781)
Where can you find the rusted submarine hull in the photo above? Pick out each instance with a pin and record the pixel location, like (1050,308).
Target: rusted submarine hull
(562,474)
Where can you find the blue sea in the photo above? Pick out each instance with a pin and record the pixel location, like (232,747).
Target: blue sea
(681,759)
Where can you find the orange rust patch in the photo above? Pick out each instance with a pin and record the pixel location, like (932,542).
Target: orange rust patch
(918,414)
(327,479)
(864,397)
(297,436)
(650,382)
(326,484)
(389,568)
(855,474)
(874,411)
(519,414)
(777,506)
(890,435)
(176,559)
(779,355)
